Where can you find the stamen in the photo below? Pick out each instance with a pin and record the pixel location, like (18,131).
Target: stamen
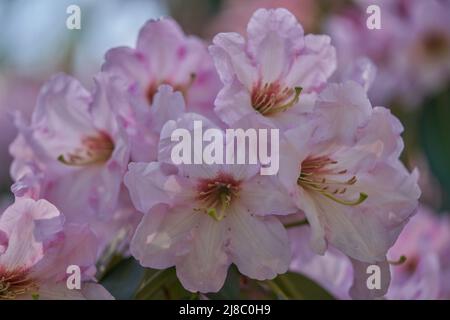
(15,283)
(95,150)
(216,195)
(314,176)
(294,100)
(271,98)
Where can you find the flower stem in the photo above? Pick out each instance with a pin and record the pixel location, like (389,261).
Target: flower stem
(277,290)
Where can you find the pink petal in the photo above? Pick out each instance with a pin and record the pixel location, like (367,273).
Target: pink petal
(160,41)
(233,103)
(231,60)
(167,105)
(204,269)
(29,226)
(127,64)
(263,196)
(344,107)
(274,37)
(259,246)
(150,184)
(78,246)
(163,236)
(314,66)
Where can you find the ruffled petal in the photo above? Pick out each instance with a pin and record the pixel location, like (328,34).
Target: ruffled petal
(259,246)
(274,38)
(163,237)
(204,269)
(152,183)
(30,226)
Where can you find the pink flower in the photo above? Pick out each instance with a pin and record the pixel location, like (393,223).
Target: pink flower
(74,152)
(273,75)
(425,243)
(411,50)
(163,56)
(35,250)
(342,170)
(16,93)
(201,218)
(424,274)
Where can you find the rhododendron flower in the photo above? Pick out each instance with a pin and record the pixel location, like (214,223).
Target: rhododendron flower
(271,76)
(74,151)
(425,274)
(344,174)
(201,218)
(16,93)
(35,250)
(163,56)
(421,274)
(411,50)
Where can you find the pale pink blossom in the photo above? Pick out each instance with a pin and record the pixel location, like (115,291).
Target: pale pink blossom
(201,218)
(271,76)
(342,170)
(36,247)
(411,50)
(74,152)
(164,55)
(17,93)
(424,243)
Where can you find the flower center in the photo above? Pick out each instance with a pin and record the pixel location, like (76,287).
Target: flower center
(15,283)
(182,87)
(320,175)
(411,265)
(95,150)
(436,44)
(272,98)
(216,195)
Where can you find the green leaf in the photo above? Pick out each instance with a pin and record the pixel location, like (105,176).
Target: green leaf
(161,284)
(296,286)
(435,140)
(123,280)
(231,288)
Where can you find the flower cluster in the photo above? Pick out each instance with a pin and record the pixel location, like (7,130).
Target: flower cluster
(102,157)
